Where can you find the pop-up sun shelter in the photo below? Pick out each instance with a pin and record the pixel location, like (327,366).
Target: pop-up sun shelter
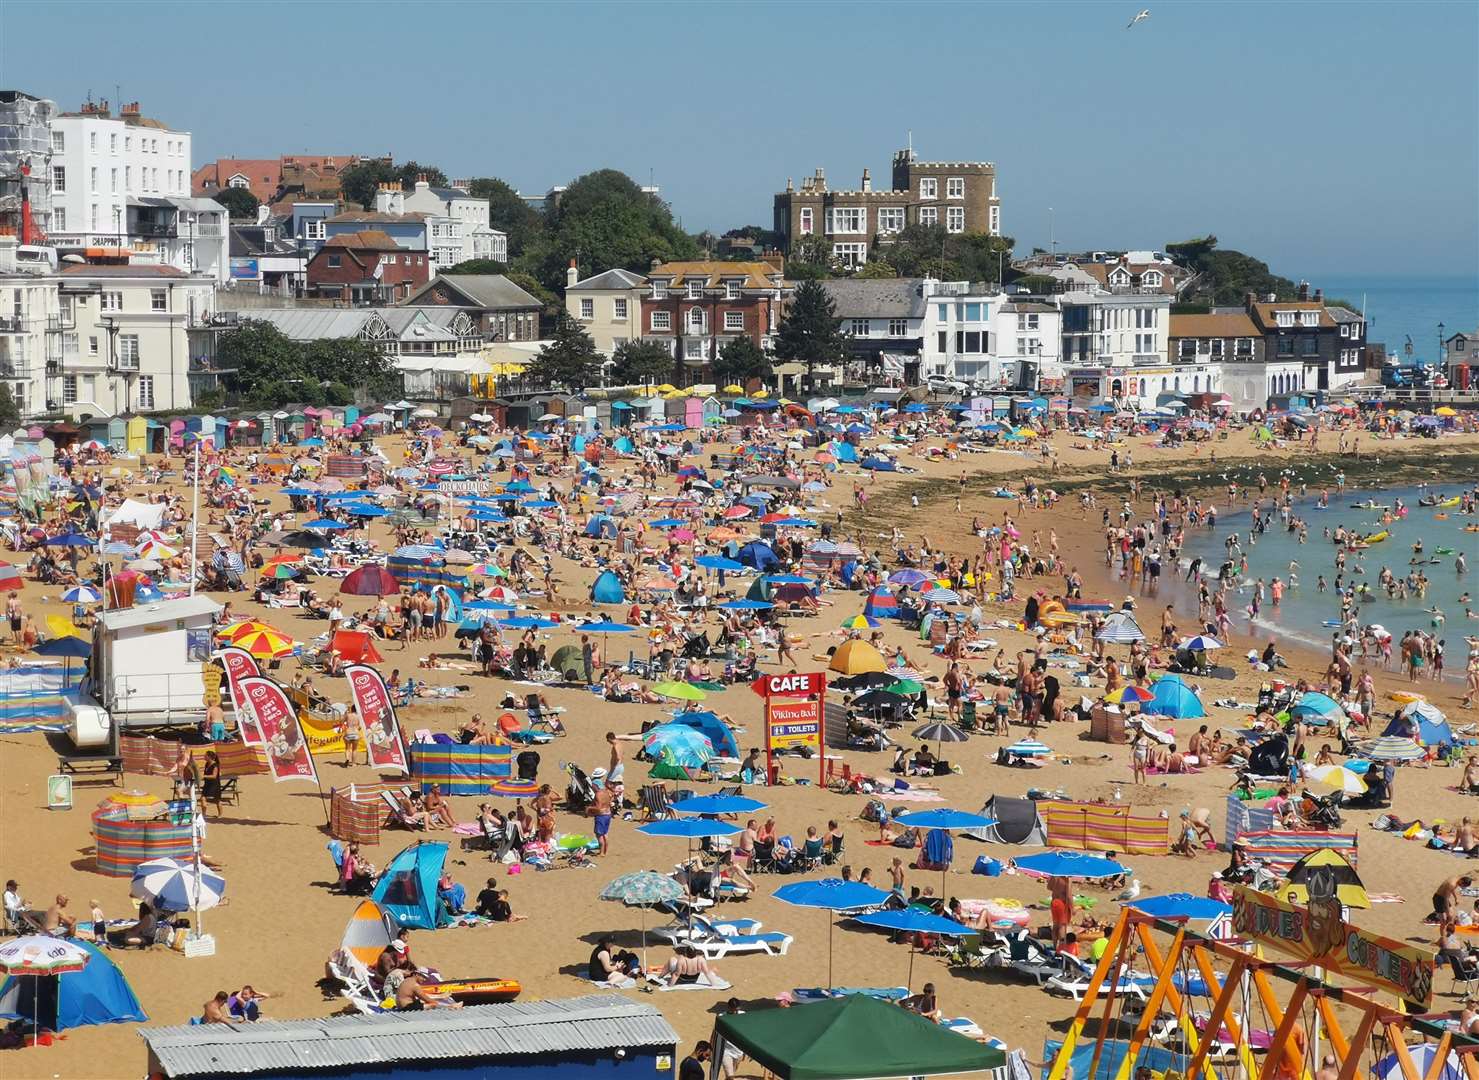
(849,1037)
(1016,822)
(607,589)
(408,888)
(97,994)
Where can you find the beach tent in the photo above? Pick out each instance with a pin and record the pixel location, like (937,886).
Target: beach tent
(602,526)
(1428,732)
(881,604)
(1175,699)
(762,589)
(97,994)
(852,1036)
(408,888)
(607,589)
(758,555)
(855,657)
(1016,822)
(356,647)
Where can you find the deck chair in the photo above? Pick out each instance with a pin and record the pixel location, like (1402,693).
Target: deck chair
(1465,970)
(538,720)
(1025,955)
(396,817)
(655,804)
(832,851)
(763,861)
(719,946)
(811,855)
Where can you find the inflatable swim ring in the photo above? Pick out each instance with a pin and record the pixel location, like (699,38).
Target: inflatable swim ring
(1404,697)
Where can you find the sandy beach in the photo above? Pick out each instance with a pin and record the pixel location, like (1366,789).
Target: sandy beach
(282,920)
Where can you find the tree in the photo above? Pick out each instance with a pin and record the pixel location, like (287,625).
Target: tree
(1226,276)
(353,362)
(811,259)
(10,414)
(358,183)
(877,268)
(639,361)
(741,359)
(413,171)
(241,203)
(810,333)
(265,367)
(476,266)
(604,220)
(508,212)
(570,360)
(930,251)
(255,355)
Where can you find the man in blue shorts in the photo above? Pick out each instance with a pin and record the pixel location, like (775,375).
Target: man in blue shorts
(602,810)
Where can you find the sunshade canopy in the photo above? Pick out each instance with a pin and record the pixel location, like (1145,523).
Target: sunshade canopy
(854,1036)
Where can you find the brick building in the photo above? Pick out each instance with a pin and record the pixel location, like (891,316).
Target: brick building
(958,195)
(314,175)
(366,268)
(695,308)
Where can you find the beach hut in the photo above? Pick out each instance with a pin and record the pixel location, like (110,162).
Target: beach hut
(297,425)
(117,438)
(137,439)
(131,828)
(95,430)
(607,589)
(408,888)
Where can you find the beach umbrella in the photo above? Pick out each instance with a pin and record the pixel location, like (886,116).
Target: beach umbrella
(1202,643)
(913,920)
(267,644)
(527,622)
(371,579)
(940,733)
(861,622)
(946,819)
(171,885)
(856,656)
(1120,628)
(1324,871)
(689,828)
(1181,906)
(606,627)
(1337,777)
(687,747)
(1393,748)
(1069,864)
(144,566)
(718,804)
(327,523)
(643,889)
(69,647)
(940,596)
(280,572)
(303,538)
(1129,695)
(877,701)
(746,605)
(904,687)
(1424,1062)
(681,690)
(82,594)
(42,954)
(719,562)
(832,894)
(70,539)
(369,931)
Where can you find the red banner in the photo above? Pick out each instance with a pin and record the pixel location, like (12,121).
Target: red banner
(288,757)
(239,665)
(383,741)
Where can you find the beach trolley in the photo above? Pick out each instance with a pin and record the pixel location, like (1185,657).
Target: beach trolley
(131,828)
(595,1036)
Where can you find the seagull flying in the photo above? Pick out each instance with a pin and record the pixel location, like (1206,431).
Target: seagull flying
(1144,14)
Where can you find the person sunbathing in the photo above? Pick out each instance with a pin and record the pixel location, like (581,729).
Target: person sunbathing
(686,966)
(411,813)
(411,996)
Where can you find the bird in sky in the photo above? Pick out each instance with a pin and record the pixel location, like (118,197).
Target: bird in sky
(1144,14)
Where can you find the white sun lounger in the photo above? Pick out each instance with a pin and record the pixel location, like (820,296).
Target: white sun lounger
(771,944)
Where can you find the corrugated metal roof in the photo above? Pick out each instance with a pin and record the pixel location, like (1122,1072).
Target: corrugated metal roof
(183,607)
(595,1022)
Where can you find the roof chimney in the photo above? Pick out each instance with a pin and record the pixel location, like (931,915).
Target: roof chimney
(1249,299)
(867,181)
(1304,290)
(820,181)
(1319,296)
(789,185)
(572,275)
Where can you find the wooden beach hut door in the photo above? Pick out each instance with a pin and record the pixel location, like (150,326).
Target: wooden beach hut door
(117,433)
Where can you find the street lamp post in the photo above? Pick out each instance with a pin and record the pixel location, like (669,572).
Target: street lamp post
(1439,353)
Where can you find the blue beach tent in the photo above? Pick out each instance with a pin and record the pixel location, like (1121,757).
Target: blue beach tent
(408,888)
(98,994)
(758,555)
(607,589)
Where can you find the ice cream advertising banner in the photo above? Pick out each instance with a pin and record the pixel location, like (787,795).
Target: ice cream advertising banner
(377,713)
(288,757)
(239,665)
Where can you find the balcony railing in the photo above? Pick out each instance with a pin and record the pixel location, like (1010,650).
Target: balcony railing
(12,324)
(153,230)
(203,228)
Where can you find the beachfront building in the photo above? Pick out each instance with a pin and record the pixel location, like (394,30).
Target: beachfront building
(366,267)
(461,225)
(695,308)
(501,311)
(311,175)
(1125,273)
(958,195)
(120,188)
(607,306)
(1329,346)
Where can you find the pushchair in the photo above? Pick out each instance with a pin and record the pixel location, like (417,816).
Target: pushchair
(580,793)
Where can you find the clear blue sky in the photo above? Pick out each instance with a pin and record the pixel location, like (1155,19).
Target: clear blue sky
(1321,136)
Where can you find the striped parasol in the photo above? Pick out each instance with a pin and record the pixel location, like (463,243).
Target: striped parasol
(1393,748)
(172,885)
(861,622)
(1129,695)
(265,643)
(41,954)
(1029,748)
(1120,628)
(368,933)
(643,889)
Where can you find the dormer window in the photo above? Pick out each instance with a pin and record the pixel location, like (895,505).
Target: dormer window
(1309,318)
(1119,277)
(695,290)
(1151,277)
(731,290)
(659,290)
(1284,318)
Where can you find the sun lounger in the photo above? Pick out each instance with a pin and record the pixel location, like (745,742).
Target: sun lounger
(1025,955)
(683,929)
(772,943)
(1076,975)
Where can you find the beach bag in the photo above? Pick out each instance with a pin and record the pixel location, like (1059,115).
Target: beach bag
(987,866)
(909,838)
(875,811)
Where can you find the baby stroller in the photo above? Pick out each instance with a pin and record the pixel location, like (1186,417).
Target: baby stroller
(579,792)
(1322,812)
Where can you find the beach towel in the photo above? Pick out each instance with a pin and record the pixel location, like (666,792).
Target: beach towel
(701,983)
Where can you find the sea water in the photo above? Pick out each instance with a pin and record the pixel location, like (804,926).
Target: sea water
(1398,308)
(1306,614)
